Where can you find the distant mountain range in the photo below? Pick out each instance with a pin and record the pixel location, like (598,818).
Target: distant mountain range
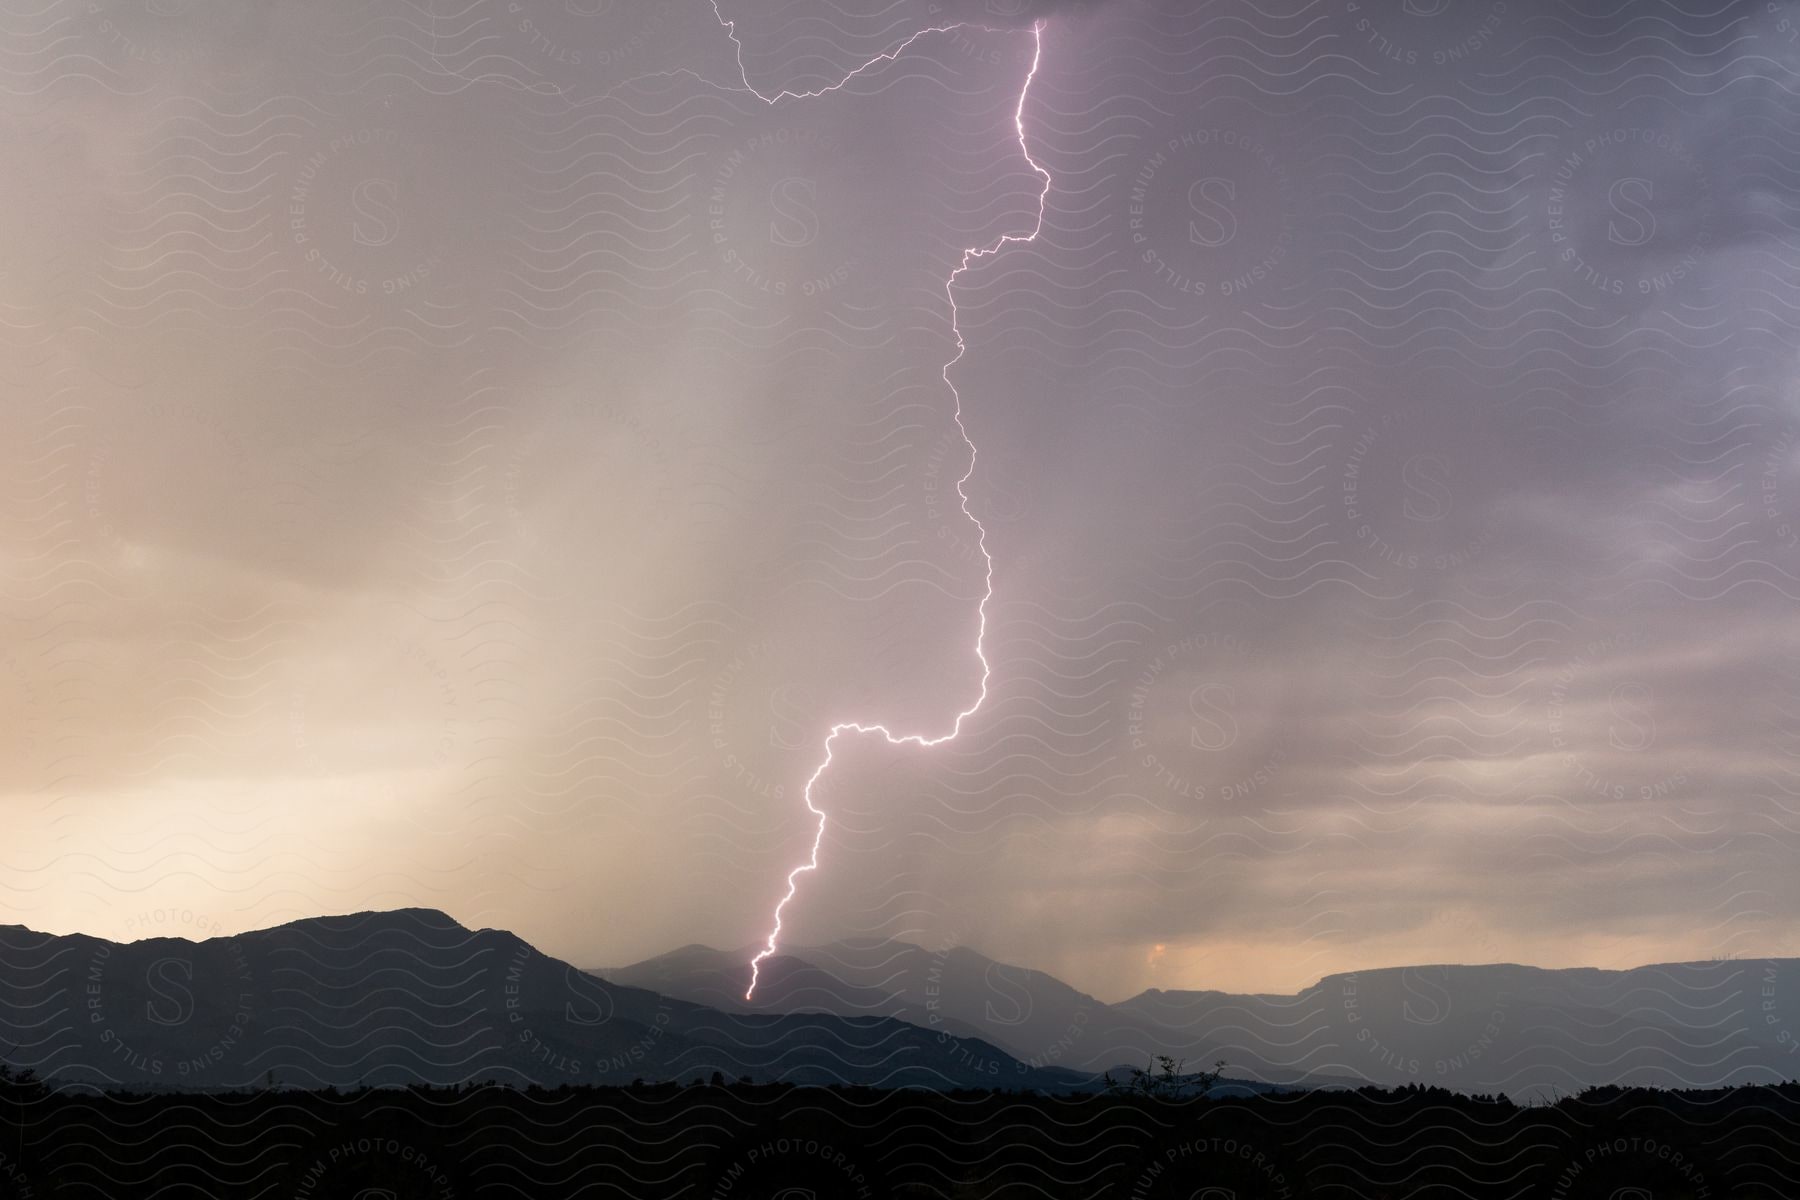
(1521,1031)
(411,996)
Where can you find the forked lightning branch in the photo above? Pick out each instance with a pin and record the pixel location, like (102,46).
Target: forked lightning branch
(969,257)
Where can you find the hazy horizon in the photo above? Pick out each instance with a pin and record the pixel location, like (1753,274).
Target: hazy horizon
(199,927)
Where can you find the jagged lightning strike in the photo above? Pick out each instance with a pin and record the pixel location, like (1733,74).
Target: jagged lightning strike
(969,256)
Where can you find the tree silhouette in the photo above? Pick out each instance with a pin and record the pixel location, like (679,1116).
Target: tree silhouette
(1164,1079)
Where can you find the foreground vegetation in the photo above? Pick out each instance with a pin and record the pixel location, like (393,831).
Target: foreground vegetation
(750,1142)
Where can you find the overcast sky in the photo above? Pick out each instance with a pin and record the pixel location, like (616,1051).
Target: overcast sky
(466,454)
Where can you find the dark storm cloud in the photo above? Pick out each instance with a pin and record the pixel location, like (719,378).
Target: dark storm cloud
(1019,13)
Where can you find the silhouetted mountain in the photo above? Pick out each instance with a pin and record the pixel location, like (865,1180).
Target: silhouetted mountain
(411,996)
(719,978)
(1037,1019)
(1515,1029)
(961,993)
(1480,1029)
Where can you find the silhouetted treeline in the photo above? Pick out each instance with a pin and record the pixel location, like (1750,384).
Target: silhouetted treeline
(748,1142)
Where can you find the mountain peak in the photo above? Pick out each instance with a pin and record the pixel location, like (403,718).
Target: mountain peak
(382,916)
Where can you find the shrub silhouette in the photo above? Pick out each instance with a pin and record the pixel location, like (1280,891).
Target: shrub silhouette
(1164,1079)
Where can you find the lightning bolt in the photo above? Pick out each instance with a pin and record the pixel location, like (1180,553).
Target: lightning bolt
(969,256)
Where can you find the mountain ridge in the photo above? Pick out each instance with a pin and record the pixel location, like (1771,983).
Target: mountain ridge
(403,996)
(1485,1028)
(412,995)
(801,951)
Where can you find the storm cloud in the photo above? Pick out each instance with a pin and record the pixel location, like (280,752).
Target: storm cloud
(470,458)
